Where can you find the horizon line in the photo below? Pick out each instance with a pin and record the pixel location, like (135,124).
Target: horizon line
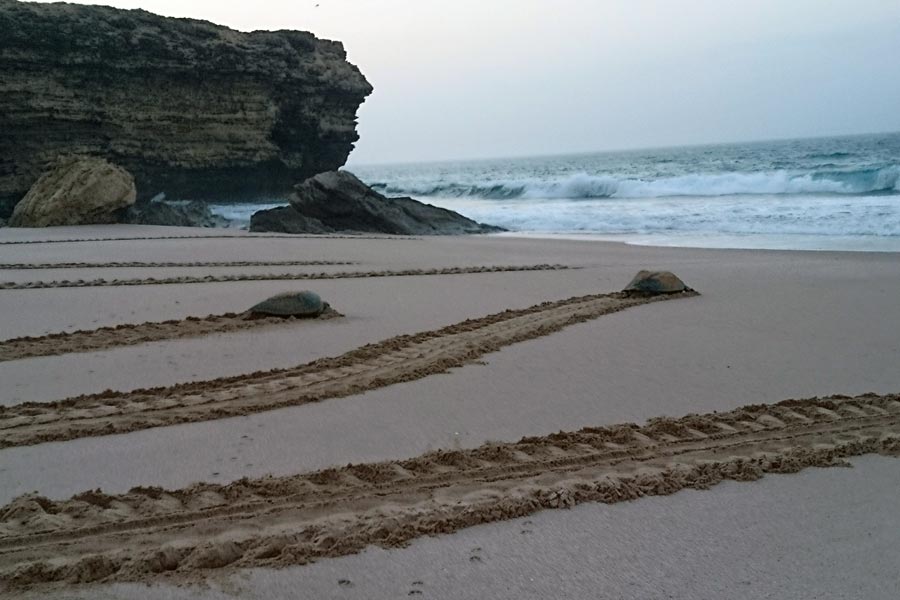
(614,150)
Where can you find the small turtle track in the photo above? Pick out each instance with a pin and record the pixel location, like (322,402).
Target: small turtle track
(212,237)
(190,534)
(82,283)
(104,338)
(395,360)
(140,265)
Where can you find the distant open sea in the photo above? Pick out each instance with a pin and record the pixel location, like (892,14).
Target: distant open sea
(839,193)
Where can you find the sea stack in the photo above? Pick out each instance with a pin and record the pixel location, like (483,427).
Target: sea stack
(191,109)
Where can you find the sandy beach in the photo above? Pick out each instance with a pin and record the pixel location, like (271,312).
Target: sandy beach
(443,345)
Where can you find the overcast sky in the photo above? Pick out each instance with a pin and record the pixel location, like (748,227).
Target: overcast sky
(486,78)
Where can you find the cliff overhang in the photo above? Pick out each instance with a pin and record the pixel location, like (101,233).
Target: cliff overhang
(192,109)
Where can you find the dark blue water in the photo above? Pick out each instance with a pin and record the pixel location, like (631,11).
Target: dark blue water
(825,193)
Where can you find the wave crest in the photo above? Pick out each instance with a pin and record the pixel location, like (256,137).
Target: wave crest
(585,186)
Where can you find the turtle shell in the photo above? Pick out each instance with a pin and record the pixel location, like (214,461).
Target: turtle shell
(291,304)
(656,282)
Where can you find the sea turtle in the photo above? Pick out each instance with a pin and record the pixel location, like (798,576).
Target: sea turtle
(656,282)
(291,304)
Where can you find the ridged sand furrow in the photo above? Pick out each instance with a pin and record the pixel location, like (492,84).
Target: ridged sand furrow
(210,237)
(80,283)
(104,338)
(142,265)
(395,360)
(194,532)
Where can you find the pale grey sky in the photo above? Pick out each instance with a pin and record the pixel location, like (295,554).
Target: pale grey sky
(484,78)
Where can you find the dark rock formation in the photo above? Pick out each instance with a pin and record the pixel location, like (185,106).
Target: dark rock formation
(76,191)
(191,109)
(342,202)
(8,204)
(174,214)
(338,201)
(285,219)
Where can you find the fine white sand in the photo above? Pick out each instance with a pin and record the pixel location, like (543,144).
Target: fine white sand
(768,326)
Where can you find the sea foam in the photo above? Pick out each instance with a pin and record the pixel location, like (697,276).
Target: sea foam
(583,185)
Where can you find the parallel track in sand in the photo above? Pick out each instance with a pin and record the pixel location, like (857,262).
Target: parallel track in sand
(81,283)
(104,338)
(395,360)
(142,265)
(212,237)
(193,533)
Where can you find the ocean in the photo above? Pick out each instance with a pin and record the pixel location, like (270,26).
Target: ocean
(840,193)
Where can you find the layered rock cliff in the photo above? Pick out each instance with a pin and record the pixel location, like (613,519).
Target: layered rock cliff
(191,109)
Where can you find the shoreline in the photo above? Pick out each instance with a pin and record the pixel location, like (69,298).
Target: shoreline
(880,245)
(91,233)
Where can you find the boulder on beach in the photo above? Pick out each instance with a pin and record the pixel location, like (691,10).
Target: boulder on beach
(338,201)
(291,304)
(76,191)
(656,282)
(284,219)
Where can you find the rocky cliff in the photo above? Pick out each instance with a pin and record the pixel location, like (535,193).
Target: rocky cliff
(191,109)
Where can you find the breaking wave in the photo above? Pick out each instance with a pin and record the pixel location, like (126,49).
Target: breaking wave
(586,186)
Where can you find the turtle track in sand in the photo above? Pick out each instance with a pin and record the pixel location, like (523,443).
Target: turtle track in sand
(193,533)
(395,360)
(212,237)
(140,265)
(81,283)
(104,338)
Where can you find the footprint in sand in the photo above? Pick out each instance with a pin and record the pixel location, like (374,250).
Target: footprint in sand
(527,529)
(414,591)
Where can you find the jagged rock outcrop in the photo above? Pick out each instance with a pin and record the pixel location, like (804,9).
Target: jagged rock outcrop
(191,109)
(338,201)
(76,191)
(173,214)
(284,219)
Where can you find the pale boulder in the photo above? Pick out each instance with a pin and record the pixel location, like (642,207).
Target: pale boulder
(76,191)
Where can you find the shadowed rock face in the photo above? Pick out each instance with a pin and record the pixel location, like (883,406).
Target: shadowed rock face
(338,201)
(192,109)
(285,219)
(187,214)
